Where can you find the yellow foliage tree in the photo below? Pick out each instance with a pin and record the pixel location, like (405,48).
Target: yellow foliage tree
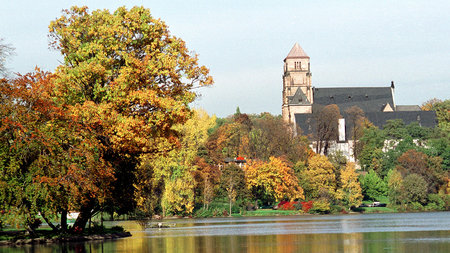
(319,177)
(350,193)
(273,180)
(173,170)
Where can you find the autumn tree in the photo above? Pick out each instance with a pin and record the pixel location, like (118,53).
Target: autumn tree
(429,168)
(272,181)
(350,192)
(326,127)
(319,178)
(174,170)
(49,164)
(272,136)
(129,80)
(207,178)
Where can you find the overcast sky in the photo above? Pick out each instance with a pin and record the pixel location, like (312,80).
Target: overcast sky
(351,43)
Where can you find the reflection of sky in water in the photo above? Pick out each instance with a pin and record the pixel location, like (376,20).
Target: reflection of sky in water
(305,224)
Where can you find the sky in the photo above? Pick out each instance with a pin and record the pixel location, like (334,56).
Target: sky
(244,43)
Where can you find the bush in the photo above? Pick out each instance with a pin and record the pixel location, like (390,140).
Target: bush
(435,202)
(97,229)
(416,206)
(203,213)
(306,206)
(286,205)
(118,229)
(320,207)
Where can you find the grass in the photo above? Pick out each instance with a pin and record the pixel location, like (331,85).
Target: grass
(270,212)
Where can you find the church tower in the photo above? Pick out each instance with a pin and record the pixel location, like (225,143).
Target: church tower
(297,89)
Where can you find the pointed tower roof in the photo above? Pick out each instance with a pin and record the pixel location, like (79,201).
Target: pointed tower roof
(296,52)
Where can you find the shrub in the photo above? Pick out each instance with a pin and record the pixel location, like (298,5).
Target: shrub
(416,206)
(117,229)
(306,206)
(435,202)
(320,207)
(289,205)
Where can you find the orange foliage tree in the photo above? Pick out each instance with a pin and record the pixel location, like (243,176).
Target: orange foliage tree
(272,181)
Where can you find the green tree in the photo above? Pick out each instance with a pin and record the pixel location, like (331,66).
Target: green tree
(442,109)
(373,187)
(414,189)
(394,182)
(372,147)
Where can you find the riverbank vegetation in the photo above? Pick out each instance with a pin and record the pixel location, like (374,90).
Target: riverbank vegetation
(111,131)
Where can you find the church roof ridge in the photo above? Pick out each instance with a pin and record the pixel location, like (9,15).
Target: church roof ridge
(297,52)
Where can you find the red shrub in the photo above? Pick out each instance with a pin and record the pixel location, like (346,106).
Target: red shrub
(307,205)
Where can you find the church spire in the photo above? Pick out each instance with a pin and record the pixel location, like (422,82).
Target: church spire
(296,52)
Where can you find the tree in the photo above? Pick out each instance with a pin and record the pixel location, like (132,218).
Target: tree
(49,164)
(429,168)
(326,127)
(394,182)
(207,178)
(430,104)
(272,181)
(356,123)
(443,114)
(128,80)
(350,191)
(319,178)
(414,189)
(6,50)
(372,148)
(232,183)
(373,187)
(174,170)
(272,136)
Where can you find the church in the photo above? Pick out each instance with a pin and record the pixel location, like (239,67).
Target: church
(301,100)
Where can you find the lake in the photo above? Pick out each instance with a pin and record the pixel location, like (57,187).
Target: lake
(394,232)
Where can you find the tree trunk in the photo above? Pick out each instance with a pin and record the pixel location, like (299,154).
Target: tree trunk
(230,207)
(83,217)
(53,227)
(64,221)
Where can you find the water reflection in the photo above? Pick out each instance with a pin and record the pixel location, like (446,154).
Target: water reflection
(418,232)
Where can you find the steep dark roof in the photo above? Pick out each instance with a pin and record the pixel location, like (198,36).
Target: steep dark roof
(369,99)
(299,98)
(424,118)
(407,108)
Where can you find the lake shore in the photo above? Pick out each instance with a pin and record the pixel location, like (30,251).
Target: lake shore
(17,238)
